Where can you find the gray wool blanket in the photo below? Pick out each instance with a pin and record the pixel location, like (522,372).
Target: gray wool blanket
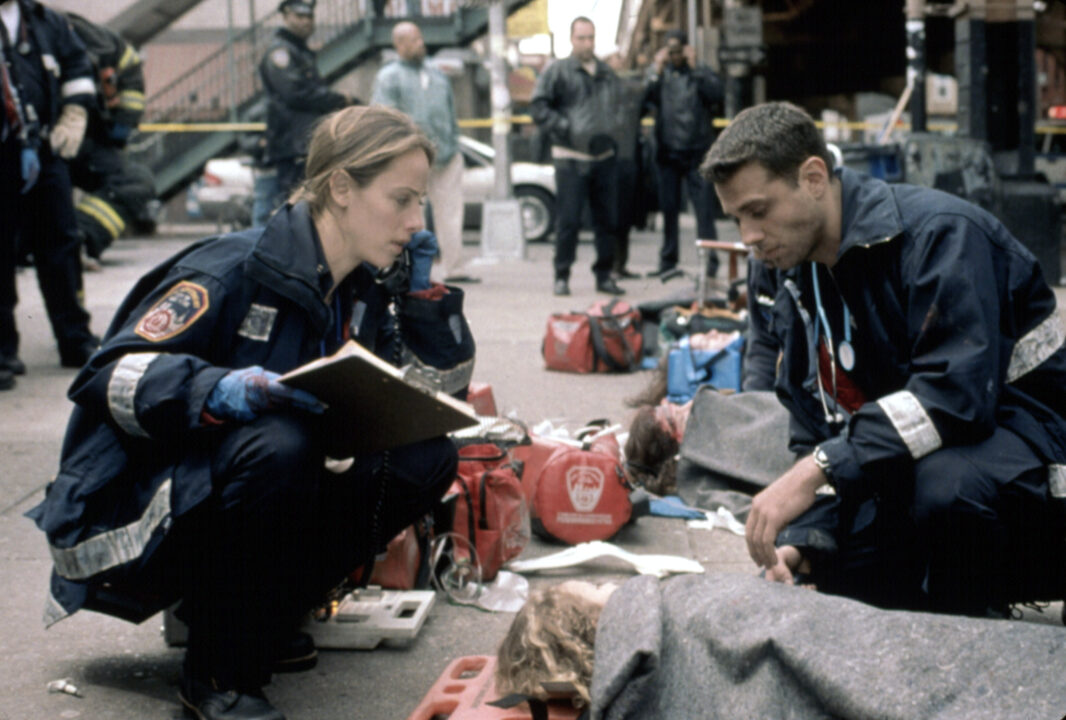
(737,647)
(734,446)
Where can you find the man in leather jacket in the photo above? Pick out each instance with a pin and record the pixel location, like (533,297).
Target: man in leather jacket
(576,103)
(685,97)
(924,368)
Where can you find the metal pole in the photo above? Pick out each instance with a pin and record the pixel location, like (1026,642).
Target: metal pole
(232,61)
(501,215)
(501,100)
(693,31)
(915,10)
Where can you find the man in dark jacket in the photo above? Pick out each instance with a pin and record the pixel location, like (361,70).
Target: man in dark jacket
(924,368)
(576,103)
(117,191)
(685,98)
(296,94)
(46,88)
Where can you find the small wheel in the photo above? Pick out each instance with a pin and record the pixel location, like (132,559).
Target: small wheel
(537,207)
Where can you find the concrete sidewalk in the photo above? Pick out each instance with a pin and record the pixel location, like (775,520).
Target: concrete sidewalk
(127,671)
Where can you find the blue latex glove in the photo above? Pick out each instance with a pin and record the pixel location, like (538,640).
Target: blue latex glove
(247,393)
(119,132)
(31,168)
(423,247)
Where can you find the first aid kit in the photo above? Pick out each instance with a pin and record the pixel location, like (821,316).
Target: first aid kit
(490,507)
(605,338)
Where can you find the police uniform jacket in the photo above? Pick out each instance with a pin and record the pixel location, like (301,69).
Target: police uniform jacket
(954,330)
(135,454)
(578,110)
(296,95)
(67,69)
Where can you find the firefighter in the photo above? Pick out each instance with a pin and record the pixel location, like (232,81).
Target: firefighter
(117,191)
(47,87)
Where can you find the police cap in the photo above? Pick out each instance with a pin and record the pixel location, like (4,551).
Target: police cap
(300,7)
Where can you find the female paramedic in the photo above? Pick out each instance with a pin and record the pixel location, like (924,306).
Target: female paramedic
(189,472)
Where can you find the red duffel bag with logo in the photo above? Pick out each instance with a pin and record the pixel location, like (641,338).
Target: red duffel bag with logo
(605,338)
(580,493)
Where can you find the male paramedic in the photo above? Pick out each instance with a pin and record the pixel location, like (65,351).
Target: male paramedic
(924,371)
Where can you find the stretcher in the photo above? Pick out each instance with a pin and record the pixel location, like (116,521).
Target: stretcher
(464,689)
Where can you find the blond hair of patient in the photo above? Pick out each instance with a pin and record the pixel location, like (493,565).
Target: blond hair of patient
(552,639)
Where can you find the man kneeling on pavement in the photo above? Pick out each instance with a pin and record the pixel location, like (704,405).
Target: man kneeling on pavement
(923,366)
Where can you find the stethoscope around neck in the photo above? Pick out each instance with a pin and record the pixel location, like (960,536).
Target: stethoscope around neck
(845,351)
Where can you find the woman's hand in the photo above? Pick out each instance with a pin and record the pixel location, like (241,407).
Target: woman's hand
(247,393)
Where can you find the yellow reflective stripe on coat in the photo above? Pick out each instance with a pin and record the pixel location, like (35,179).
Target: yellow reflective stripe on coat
(131,100)
(129,58)
(104,214)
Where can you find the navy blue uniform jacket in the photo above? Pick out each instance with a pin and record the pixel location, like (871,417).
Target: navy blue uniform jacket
(135,456)
(955,332)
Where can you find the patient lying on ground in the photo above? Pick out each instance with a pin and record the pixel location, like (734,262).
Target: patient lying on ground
(731,645)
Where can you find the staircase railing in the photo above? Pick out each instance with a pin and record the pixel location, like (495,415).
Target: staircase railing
(225,86)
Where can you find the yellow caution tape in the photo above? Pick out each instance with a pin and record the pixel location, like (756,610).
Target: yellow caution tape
(526,119)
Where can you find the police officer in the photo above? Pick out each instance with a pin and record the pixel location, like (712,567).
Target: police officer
(296,94)
(47,87)
(117,190)
(189,472)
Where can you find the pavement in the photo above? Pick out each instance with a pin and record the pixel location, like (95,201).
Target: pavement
(127,671)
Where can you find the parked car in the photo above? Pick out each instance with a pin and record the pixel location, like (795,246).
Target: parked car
(534,187)
(224,191)
(223,194)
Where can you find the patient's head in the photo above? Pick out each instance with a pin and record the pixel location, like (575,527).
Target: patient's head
(552,639)
(651,451)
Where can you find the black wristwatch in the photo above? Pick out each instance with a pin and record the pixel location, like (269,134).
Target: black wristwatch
(822,461)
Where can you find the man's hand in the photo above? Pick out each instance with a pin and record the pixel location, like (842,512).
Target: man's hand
(777,506)
(660,58)
(789,562)
(69,131)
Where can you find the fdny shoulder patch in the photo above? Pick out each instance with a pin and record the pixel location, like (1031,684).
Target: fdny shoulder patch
(280,58)
(174,313)
(258,322)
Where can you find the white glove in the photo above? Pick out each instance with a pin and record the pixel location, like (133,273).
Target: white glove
(68,133)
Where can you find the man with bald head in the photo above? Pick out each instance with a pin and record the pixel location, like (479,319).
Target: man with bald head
(416,88)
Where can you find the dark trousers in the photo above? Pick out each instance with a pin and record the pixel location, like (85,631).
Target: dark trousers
(575,183)
(117,192)
(973,528)
(704,205)
(43,222)
(627,209)
(279,532)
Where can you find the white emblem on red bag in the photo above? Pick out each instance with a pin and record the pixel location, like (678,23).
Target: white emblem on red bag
(585,485)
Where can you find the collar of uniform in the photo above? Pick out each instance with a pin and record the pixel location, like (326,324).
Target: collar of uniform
(288,256)
(869,212)
(288,36)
